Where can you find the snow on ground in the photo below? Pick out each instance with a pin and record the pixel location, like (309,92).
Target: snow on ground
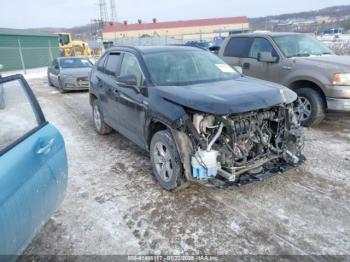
(114,206)
(29,74)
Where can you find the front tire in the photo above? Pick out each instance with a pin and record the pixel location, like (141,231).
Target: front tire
(166,162)
(60,86)
(49,80)
(100,126)
(312,109)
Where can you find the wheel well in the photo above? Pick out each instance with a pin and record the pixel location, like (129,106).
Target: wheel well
(92,98)
(308,84)
(153,128)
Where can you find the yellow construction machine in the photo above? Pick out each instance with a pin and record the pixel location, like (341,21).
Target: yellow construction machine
(70,47)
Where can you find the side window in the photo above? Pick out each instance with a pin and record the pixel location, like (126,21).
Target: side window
(112,64)
(130,66)
(237,47)
(17,115)
(100,63)
(261,45)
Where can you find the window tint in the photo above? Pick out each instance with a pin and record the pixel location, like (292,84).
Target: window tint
(130,66)
(112,64)
(261,45)
(17,116)
(237,47)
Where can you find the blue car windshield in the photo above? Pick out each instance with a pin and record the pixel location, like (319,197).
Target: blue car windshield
(179,68)
(75,63)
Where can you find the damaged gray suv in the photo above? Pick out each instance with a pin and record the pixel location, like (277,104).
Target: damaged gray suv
(199,118)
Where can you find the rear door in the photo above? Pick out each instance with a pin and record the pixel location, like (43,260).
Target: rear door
(33,166)
(235,50)
(106,81)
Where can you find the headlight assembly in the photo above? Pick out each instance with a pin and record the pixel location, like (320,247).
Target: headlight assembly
(341,79)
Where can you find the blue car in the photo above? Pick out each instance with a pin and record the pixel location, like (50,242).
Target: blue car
(33,166)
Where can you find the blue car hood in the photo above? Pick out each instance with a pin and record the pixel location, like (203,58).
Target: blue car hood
(243,94)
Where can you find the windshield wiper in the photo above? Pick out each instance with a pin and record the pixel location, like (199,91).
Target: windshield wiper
(301,55)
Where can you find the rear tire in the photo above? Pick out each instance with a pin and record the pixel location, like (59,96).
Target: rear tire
(312,110)
(166,162)
(100,126)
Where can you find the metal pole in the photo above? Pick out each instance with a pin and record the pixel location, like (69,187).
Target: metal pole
(21,55)
(50,52)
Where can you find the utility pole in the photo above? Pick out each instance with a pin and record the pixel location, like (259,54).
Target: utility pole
(103,11)
(113,11)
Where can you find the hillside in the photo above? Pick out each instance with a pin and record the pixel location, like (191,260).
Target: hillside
(311,21)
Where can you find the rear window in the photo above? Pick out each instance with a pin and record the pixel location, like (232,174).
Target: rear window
(237,47)
(112,64)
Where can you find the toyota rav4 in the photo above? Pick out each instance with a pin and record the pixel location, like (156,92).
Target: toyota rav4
(199,118)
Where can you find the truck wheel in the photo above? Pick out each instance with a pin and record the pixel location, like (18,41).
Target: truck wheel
(166,162)
(312,109)
(100,126)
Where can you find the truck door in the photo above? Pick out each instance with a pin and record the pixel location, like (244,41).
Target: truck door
(236,49)
(253,67)
(33,167)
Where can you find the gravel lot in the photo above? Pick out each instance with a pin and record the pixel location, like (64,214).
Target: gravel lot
(114,206)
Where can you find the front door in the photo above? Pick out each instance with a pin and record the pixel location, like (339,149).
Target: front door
(33,166)
(253,67)
(130,105)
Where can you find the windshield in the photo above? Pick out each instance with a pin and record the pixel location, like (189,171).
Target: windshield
(301,45)
(187,67)
(75,63)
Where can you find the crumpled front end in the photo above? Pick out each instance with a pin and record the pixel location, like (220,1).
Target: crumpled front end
(235,147)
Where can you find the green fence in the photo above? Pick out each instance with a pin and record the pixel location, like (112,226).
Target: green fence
(24,52)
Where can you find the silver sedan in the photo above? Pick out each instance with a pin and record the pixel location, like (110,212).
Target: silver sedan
(69,73)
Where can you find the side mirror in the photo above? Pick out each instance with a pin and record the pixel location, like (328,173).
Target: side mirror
(128,81)
(239,69)
(266,57)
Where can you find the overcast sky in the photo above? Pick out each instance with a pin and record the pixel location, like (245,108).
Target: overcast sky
(69,13)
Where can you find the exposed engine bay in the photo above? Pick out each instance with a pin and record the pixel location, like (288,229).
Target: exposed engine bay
(249,143)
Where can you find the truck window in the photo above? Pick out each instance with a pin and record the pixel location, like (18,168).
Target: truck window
(261,45)
(237,47)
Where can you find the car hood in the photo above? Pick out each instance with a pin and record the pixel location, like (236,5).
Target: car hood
(78,72)
(338,63)
(226,97)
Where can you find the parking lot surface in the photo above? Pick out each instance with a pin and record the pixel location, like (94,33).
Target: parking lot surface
(114,206)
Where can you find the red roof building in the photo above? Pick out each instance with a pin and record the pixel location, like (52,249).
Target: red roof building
(176,29)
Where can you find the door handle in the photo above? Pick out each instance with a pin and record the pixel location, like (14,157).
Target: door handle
(99,82)
(246,65)
(44,149)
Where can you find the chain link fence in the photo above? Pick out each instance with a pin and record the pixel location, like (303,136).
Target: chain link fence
(24,57)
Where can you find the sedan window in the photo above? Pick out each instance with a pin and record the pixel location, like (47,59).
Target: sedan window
(75,63)
(17,115)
